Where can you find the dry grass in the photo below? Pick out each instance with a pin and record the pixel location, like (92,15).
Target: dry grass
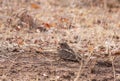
(43,24)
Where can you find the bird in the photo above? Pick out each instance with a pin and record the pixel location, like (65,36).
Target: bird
(67,53)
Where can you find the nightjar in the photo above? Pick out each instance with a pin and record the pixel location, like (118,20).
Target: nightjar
(66,53)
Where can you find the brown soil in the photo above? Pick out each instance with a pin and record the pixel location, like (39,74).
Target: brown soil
(47,66)
(31,30)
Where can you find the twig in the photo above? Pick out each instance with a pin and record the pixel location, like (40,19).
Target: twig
(113,68)
(79,71)
(112,60)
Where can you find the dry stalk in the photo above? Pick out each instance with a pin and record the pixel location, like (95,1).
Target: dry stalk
(80,68)
(111,59)
(79,71)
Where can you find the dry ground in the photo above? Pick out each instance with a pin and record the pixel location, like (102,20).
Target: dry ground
(30,31)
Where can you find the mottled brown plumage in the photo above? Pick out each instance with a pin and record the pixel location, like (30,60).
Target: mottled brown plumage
(66,53)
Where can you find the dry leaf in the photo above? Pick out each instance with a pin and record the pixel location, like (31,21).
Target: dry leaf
(53,25)
(91,48)
(35,6)
(39,50)
(20,41)
(116,53)
(46,25)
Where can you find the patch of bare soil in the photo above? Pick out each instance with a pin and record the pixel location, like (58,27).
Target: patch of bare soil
(59,40)
(48,67)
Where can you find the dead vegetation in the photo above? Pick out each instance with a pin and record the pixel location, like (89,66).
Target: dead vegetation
(31,31)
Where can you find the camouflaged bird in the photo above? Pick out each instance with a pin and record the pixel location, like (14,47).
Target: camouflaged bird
(66,53)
